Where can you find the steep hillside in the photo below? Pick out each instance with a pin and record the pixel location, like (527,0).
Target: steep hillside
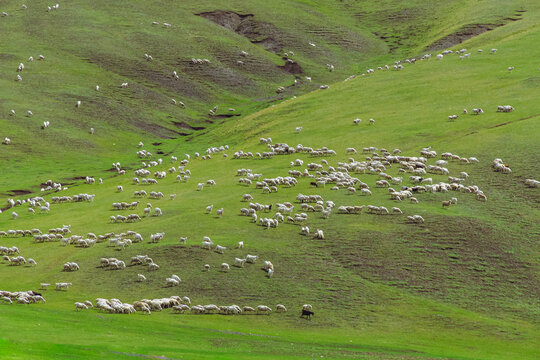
(103,43)
(462,285)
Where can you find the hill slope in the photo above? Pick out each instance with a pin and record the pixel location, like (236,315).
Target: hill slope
(462,285)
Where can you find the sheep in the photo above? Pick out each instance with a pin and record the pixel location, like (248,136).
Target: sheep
(157,212)
(268,266)
(240,245)
(200,186)
(298,129)
(62,286)
(481,197)
(281,308)
(371,121)
(141,278)
(532,183)
(32,262)
(446,204)
(78,103)
(225,267)
(79,306)
(219,212)
(239,262)
(416,219)
(71,266)
(209,209)
(264,309)
(220,249)
(171,282)
(153,267)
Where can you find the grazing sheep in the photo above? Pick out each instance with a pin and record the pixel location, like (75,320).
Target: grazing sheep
(264,309)
(281,308)
(225,267)
(79,306)
(532,183)
(239,262)
(141,278)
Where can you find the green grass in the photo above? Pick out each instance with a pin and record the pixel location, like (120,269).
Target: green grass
(463,286)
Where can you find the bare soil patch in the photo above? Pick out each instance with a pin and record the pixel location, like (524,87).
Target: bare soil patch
(18,192)
(465,33)
(292,68)
(258,32)
(185,125)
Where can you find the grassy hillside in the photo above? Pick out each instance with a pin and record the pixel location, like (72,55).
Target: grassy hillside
(104,44)
(463,285)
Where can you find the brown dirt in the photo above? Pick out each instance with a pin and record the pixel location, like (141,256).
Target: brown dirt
(224,116)
(158,130)
(461,35)
(18,192)
(185,125)
(258,32)
(227,19)
(292,68)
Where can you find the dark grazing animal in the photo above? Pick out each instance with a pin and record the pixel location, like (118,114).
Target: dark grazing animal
(307,313)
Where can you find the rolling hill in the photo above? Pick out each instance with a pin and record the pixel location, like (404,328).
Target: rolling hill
(462,285)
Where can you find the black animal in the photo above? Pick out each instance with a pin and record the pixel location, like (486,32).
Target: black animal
(307,313)
(36,293)
(313,183)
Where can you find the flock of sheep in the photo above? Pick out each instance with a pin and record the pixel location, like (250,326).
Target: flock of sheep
(176,303)
(322,175)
